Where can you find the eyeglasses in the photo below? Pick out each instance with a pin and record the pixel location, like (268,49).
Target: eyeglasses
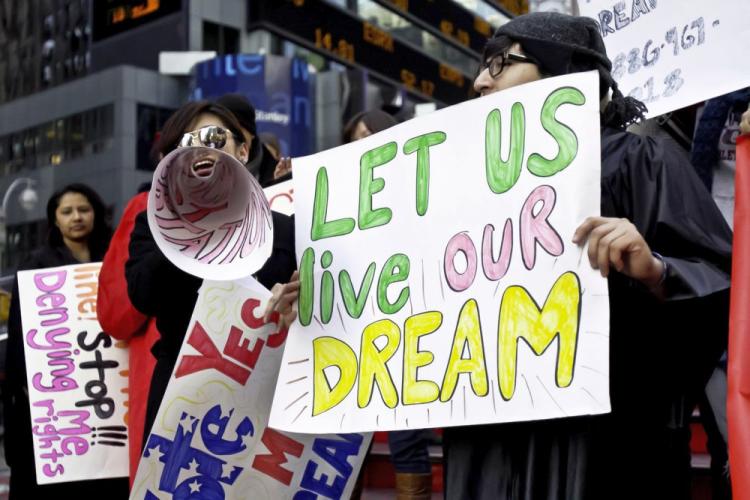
(497,64)
(211,136)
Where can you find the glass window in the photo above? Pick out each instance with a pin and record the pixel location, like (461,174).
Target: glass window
(151,119)
(315,61)
(106,124)
(98,125)
(20,240)
(231,40)
(53,142)
(5,155)
(485,11)
(47,137)
(29,148)
(74,142)
(16,151)
(222,39)
(210,36)
(403,29)
(58,145)
(40,40)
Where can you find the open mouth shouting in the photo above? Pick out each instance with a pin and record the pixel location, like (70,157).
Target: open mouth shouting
(203,168)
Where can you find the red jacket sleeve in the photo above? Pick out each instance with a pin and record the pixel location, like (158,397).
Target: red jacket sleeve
(115,312)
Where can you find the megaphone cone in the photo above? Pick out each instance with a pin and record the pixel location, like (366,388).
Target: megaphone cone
(208,215)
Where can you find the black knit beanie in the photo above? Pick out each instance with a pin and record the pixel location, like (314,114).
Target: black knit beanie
(564,44)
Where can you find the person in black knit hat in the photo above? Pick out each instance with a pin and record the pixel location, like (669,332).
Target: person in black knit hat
(666,251)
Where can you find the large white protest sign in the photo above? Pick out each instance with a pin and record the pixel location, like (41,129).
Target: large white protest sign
(211,437)
(674,53)
(439,285)
(77,377)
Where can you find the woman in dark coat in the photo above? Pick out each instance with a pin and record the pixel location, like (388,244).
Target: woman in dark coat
(666,251)
(78,233)
(156,287)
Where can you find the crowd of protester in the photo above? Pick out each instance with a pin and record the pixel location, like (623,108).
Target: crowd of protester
(663,240)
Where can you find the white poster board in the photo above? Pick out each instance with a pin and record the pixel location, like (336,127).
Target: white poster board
(674,53)
(435,253)
(211,437)
(77,377)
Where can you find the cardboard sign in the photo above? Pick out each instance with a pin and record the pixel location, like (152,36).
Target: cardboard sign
(211,437)
(674,53)
(77,377)
(439,284)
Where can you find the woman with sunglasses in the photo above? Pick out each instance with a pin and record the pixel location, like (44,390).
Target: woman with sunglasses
(156,287)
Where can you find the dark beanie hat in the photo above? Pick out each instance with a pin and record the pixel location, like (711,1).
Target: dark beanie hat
(554,39)
(563,44)
(241,108)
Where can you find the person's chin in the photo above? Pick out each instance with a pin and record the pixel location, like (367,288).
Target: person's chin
(79,236)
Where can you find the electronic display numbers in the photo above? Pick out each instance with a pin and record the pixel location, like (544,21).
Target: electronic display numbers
(450,19)
(111,17)
(516,7)
(326,28)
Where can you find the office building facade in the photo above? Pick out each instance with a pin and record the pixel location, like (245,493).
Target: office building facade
(82,99)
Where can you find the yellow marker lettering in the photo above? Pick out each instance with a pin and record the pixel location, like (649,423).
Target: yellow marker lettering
(520,317)
(373,368)
(327,352)
(417,391)
(468,331)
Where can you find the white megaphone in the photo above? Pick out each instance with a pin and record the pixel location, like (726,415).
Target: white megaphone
(208,215)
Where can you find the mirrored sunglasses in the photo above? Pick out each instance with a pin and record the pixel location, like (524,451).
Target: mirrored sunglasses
(211,136)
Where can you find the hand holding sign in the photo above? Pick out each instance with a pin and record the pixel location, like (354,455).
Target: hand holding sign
(283,167)
(284,301)
(617,242)
(745,123)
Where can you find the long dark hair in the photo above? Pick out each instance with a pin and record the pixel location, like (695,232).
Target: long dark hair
(375,120)
(181,119)
(98,240)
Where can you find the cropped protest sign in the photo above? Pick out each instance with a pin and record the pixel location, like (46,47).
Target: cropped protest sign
(673,53)
(211,437)
(77,377)
(281,197)
(439,283)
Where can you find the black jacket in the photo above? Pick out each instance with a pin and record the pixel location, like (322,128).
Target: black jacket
(19,448)
(660,352)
